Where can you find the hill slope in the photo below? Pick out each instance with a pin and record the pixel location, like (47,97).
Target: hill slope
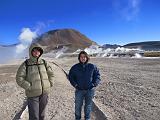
(59,38)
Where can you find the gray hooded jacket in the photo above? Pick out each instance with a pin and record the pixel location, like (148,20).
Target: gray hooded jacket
(37,77)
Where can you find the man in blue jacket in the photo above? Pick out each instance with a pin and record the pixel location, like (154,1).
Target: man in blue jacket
(84,77)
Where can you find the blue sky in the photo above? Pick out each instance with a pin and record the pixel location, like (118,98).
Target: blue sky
(103,21)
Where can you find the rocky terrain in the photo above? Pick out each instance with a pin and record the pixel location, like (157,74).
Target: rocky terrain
(129,90)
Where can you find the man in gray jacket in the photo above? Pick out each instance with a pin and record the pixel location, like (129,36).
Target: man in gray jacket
(35,75)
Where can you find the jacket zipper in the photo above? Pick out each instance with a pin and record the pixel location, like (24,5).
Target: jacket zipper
(40,76)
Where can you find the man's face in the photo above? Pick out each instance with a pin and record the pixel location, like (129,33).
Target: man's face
(83,58)
(36,53)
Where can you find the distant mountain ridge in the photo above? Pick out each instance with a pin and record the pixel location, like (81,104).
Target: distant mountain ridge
(110,46)
(148,45)
(9,45)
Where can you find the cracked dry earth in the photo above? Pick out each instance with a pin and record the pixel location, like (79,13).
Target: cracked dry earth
(129,90)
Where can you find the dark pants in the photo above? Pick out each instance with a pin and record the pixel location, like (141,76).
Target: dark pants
(80,96)
(36,106)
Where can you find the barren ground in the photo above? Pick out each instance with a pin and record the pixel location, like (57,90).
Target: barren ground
(129,90)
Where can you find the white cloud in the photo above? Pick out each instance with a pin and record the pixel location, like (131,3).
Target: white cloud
(25,38)
(27,35)
(41,25)
(20,48)
(128,9)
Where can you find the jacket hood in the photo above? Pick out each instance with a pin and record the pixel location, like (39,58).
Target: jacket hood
(35,45)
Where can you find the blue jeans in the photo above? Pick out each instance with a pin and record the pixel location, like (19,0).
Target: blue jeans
(80,96)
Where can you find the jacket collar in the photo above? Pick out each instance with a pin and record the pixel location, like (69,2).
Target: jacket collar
(83,64)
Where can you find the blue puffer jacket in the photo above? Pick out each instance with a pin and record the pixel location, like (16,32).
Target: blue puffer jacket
(84,76)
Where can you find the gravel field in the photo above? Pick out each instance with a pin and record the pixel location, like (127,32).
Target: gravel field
(129,90)
(130,87)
